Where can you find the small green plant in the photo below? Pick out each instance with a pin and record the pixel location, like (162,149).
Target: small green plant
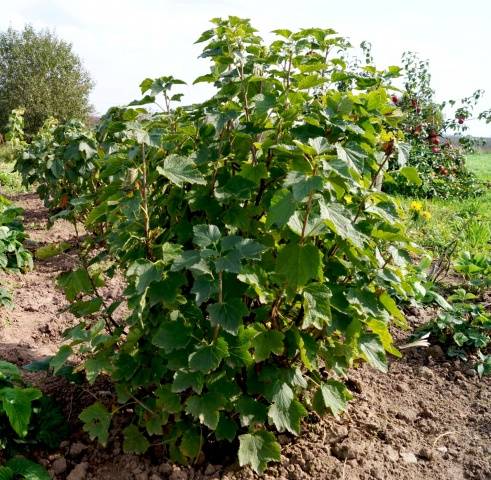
(27,418)
(476,269)
(464,327)
(13,255)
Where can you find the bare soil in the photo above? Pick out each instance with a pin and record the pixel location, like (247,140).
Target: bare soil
(427,419)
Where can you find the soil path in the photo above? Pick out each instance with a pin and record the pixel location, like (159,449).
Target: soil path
(427,419)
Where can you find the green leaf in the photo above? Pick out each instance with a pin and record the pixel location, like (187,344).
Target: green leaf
(317,306)
(96,420)
(228,315)
(282,207)
(167,400)
(184,380)
(339,221)
(6,473)
(26,469)
(172,335)
(251,411)
(257,449)
(373,350)
(86,307)
(59,360)
(268,342)
(331,395)
(298,264)
(226,429)
(286,412)
(17,404)
(390,305)
(74,283)
(51,250)
(206,408)
(134,440)
(180,170)
(191,442)
(412,175)
(207,358)
(9,371)
(205,235)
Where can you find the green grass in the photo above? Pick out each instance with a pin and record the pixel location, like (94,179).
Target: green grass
(480,164)
(465,220)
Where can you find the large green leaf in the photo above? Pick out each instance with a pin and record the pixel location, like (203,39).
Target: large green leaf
(206,408)
(27,469)
(317,306)
(96,420)
(180,170)
(134,440)
(207,358)
(298,264)
(286,412)
(333,396)
(281,209)
(374,351)
(9,371)
(257,449)
(268,342)
(17,404)
(172,335)
(340,222)
(227,315)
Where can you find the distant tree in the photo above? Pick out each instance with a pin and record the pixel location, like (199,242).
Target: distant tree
(40,73)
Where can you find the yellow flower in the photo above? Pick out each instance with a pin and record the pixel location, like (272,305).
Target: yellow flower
(426,215)
(348,199)
(416,206)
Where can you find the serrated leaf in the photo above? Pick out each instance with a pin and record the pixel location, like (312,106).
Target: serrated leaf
(251,411)
(226,428)
(17,405)
(134,440)
(339,221)
(228,315)
(96,420)
(27,469)
(205,235)
(257,449)
(373,350)
(74,283)
(317,306)
(9,371)
(207,358)
(298,264)
(268,342)
(191,443)
(331,395)
(184,380)
(390,305)
(286,413)
(172,335)
(180,170)
(412,175)
(206,408)
(282,207)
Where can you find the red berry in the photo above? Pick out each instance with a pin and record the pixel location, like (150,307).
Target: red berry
(435,149)
(395,99)
(461,120)
(434,140)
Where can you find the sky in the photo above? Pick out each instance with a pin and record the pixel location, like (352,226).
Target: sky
(122,42)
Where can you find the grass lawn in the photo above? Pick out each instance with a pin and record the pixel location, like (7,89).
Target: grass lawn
(468,220)
(480,164)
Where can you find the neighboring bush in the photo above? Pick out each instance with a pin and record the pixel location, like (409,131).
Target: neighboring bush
(440,164)
(41,74)
(262,262)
